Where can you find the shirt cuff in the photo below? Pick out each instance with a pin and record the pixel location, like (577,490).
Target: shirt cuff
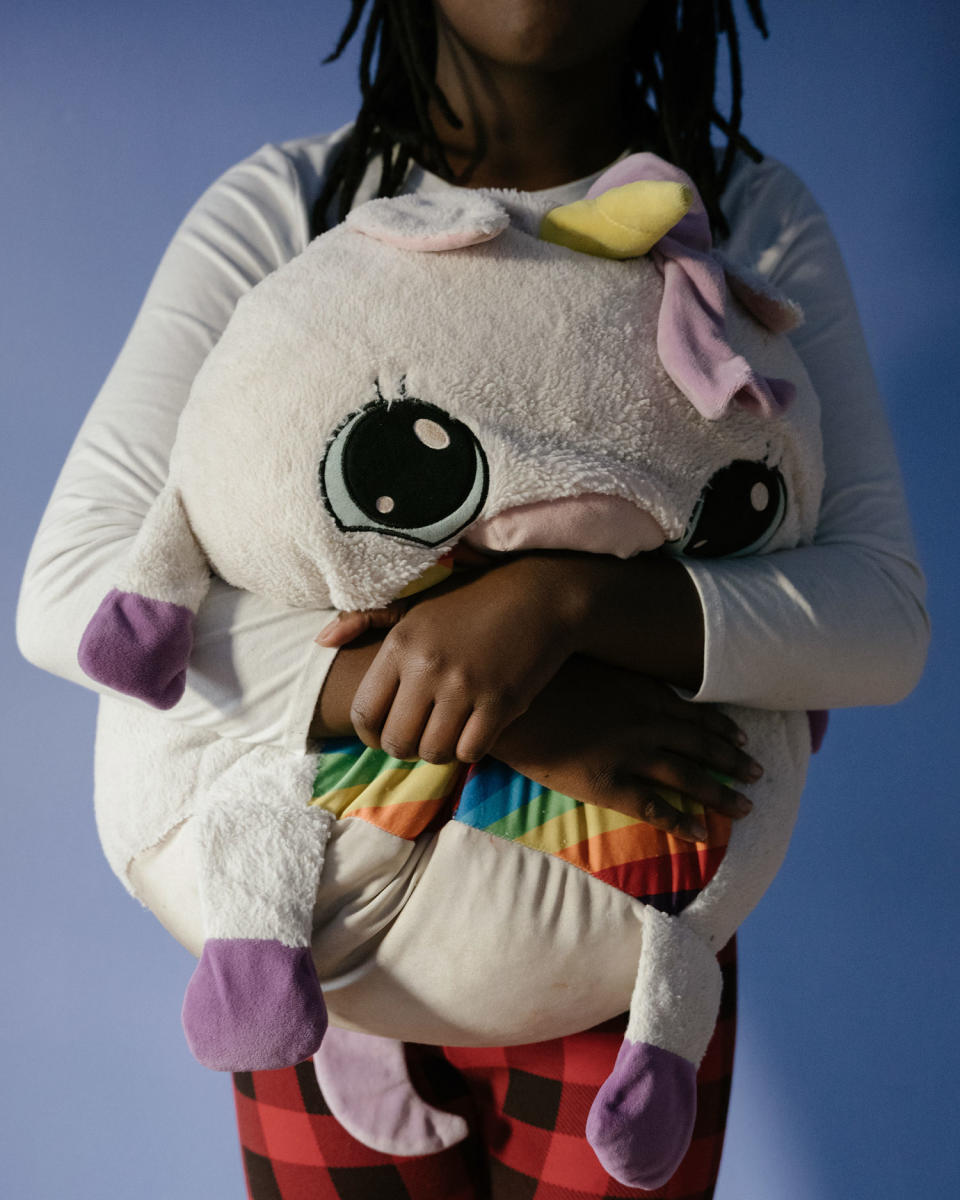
(713,621)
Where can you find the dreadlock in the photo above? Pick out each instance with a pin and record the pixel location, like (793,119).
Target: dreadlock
(673,67)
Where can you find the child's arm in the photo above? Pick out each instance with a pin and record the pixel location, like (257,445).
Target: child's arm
(601,734)
(469,658)
(255,671)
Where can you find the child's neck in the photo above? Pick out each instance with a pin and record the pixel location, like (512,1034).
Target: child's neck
(529,128)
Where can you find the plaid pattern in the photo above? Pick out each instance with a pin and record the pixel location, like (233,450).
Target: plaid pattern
(526,1107)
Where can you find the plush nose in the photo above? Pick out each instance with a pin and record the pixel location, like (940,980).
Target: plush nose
(592,522)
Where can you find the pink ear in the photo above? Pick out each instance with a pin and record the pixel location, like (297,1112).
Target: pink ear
(139,647)
(692,329)
(762,300)
(432,222)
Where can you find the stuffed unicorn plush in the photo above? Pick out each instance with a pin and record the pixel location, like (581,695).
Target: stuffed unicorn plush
(444,369)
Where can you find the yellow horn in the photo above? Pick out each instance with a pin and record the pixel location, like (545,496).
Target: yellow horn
(621,223)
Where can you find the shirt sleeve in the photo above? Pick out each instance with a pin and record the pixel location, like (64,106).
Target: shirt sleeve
(256,670)
(840,622)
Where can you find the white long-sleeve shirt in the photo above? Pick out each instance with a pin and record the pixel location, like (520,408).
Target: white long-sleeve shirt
(834,624)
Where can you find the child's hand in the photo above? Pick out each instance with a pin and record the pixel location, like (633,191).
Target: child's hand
(464,661)
(609,737)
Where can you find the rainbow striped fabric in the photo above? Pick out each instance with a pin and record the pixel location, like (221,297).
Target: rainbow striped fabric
(403,798)
(409,798)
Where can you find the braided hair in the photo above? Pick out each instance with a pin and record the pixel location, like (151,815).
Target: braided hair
(673,67)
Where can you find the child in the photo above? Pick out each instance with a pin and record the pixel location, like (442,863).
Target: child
(548,94)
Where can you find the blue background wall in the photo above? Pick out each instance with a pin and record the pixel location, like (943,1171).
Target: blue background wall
(113,117)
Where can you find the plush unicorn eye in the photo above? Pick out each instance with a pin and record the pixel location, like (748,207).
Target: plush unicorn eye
(738,512)
(405,468)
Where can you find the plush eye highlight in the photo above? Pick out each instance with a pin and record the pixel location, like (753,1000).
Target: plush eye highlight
(405,468)
(738,512)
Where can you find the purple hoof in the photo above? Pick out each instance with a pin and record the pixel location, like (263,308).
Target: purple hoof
(139,647)
(253,1005)
(641,1121)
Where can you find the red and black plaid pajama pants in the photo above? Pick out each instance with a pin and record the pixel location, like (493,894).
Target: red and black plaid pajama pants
(526,1107)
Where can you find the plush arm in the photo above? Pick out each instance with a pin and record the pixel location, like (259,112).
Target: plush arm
(256,671)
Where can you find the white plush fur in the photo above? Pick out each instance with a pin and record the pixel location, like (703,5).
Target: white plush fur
(167,564)
(546,354)
(677,995)
(674,1004)
(261,850)
(423,222)
(549,357)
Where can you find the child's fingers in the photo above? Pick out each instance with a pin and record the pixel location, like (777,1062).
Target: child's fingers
(697,744)
(636,798)
(441,735)
(404,725)
(481,731)
(347,626)
(343,628)
(373,700)
(699,785)
(705,715)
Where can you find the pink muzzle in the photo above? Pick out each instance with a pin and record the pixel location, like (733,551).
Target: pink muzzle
(592,523)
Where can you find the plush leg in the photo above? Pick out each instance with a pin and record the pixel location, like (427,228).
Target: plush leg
(253,1004)
(641,1121)
(254,1001)
(364,1081)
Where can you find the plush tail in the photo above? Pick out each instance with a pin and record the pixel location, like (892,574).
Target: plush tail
(365,1083)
